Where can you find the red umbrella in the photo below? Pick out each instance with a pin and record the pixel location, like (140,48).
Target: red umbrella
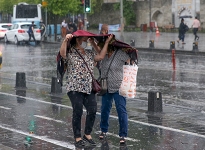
(131,51)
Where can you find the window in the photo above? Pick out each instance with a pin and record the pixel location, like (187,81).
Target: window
(26,11)
(6,26)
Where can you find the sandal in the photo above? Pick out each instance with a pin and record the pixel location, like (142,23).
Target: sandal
(122,141)
(80,143)
(102,135)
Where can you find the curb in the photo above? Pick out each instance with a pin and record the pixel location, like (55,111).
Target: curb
(188,52)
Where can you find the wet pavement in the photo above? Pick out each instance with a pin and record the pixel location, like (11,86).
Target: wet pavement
(180,79)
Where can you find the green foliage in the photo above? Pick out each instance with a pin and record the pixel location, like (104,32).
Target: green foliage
(63,7)
(128,11)
(96,6)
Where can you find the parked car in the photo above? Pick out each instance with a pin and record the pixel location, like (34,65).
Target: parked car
(18,33)
(3,28)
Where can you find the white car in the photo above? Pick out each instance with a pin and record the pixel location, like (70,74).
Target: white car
(3,28)
(18,33)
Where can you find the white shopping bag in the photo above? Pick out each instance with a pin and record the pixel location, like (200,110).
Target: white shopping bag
(128,86)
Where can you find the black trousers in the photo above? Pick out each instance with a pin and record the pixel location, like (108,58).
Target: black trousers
(78,100)
(195,33)
(31,35)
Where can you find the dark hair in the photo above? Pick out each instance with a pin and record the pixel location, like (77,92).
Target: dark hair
(182,19)
(32,22)
(196,17)
(73,41)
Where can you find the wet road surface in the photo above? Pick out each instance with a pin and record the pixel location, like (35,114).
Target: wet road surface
(180,126)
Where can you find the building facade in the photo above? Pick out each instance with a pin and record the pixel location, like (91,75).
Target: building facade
(163,12)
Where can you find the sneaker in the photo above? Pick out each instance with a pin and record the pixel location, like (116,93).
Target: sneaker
(90,141)
(102,135)
(80,143)
(183,43)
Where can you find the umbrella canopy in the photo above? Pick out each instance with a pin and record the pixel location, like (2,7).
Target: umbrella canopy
(186,16)
(101,38)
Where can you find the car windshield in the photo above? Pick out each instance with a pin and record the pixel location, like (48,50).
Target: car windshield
(26,26)
(6,26)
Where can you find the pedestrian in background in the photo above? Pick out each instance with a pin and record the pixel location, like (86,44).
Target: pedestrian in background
(79,82)
(182,31)
(42,28)
(80,24)
(63,28)
(104,29)
(196,24)
(31,32)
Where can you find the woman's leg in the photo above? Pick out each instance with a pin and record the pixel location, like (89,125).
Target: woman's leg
(76,99)
(91,107)
(120,103)
(105,111)
(182,37)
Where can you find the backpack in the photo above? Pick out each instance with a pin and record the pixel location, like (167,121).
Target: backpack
(61,68)
(186,28)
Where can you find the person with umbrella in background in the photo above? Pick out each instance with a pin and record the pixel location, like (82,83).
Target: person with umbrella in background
(182,31)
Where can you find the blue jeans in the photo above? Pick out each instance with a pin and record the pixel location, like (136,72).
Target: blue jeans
(120,103)
(181,36)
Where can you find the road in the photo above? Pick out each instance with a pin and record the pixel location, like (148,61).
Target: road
(48,115)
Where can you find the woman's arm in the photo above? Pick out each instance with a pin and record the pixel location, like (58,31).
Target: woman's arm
(103,52)
(64,45)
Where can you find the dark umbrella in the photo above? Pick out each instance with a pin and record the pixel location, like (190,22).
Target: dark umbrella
(186,16)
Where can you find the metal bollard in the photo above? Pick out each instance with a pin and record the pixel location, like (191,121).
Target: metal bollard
(20,80)
(151,44)
(21,93)
(154,101)
(55,86)
(195,46)
(172,45)
(132,42)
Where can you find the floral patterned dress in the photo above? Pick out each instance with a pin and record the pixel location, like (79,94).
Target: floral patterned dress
(78,76)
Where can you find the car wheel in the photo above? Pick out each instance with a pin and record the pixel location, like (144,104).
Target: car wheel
(16,40)
(5,39)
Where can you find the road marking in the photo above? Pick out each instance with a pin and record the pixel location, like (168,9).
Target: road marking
(7,108)
(43,138)
(115,117)
(115,135)
(47,118)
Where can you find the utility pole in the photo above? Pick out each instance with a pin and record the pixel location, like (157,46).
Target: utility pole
(150,11)
(121,20)
(85,21)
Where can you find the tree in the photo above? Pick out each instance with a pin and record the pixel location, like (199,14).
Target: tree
(128,11)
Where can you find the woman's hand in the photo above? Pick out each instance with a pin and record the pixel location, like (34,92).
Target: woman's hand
(91,40)
(109,38)
(68,37)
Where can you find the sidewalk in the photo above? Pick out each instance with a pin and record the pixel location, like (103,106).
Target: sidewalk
(161,41)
